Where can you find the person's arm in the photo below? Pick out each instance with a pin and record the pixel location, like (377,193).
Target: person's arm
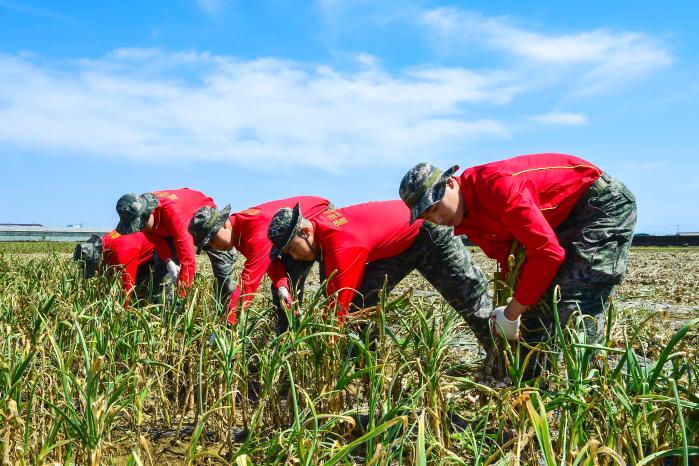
(256,265)
(125,262)
(128,276)
(186,254)
(522,215)
(253,272)
(162,247)
(346,265)
(277,273)
(233,305)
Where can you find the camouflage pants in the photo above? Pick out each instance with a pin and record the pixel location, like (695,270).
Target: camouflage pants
(596,237)
(150,279)
(222,263)
(297,271)
(445,262)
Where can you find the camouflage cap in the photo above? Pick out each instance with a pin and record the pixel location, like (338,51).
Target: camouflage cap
(88,255)
(206,223)
(285,224)
(134,210)
(423,186)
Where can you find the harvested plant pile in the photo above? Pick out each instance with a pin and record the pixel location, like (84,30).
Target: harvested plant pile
(85,380)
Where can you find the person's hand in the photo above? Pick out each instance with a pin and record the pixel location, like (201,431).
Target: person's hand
(284,296)
(501,325)
(173,270)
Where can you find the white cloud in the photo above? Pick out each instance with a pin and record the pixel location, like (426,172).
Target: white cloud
(150,105)
(601,57)
(562,118)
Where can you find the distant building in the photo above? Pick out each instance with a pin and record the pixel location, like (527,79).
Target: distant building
(21,225)
(34,232)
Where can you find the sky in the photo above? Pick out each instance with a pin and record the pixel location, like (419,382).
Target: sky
(251,101)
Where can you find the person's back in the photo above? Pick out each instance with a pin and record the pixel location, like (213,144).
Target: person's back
(250,225)
(177,206)
(127,252)
(378,229)
(171,218)
(351,236)
(553,181)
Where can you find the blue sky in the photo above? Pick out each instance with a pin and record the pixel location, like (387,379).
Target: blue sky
(258,100)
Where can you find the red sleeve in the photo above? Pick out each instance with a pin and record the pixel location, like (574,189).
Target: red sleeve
(186,254)
(128,276)
(277,273)
(253,272)
(126,262)
(524,219)
(348,266)
(161,246)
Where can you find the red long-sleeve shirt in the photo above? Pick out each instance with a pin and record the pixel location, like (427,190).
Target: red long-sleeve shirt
(172,217)
(524,198)
(250,236)
(128,253)
(352,236)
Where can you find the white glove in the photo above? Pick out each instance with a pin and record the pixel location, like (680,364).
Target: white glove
(284,296)
(173,270)
(503,326)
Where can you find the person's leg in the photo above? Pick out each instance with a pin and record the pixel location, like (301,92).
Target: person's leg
(386,272)
(596,237)
(145,288)
(389,272)
(222,263)
(297,271)
(597,246)
(445,262)
(161,287)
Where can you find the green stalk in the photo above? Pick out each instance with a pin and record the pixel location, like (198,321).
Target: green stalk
(683,429)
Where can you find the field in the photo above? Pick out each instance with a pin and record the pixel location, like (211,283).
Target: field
(86,380)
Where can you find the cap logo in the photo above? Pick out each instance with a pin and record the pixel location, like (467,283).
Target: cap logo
(417,195)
